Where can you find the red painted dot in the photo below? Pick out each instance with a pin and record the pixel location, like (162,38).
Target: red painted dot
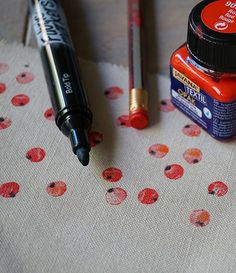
(35,154)
(191,130)
(192,155)
(3,68)
(123,121)
(95,138)
(113,92)
(57,188)
(174,171)
(158,150)
(115,196)
(49,114)
(148,196)
(2,87)
(166,105)
(218,188)
(20,100)
(112,174)
(9,189)
(200,218)
(5,123)
(25,77)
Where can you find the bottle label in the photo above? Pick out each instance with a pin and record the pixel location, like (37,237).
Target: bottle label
(217,118)
(49,23)
(220,16)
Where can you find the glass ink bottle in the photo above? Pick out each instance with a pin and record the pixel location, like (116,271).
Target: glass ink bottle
(203,70)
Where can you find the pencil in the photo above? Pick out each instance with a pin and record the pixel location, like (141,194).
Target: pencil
(138,98)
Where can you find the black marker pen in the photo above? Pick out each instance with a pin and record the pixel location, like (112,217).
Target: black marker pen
(59,59)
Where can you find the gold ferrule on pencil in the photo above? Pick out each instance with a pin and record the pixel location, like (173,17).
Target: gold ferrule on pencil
(138,100)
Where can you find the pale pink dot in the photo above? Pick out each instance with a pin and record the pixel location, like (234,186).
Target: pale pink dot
(200,218)
(192,155)
(3,68)
(115,196)
(25,77)
(95,138)
(148,196)
(20,100)
(113,92)
(35,154)
(5,123)
(174,171)
(192,130)
(218,188)
(9,189)
(2,87)
(49,114)
(158,150)
(56,189)
(166,105)
(123,121)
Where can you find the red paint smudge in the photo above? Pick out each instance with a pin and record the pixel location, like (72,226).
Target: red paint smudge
(95,138)
(200,218)
(9,189)
(174,171)
(112,174)
(2,87)
(158,150)
(218,188)
(20,100)
(123,121)
(113,92)
(35,154)
(49,114)
(5,123)
(148,196)
(3,68)
(56,189)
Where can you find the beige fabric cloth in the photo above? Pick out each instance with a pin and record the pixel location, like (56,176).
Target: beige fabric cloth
(79,232)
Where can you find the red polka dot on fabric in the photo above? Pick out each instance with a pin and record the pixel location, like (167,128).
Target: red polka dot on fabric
(9,189)
(112,174)
(192,155)
(115,196)
(5,123)
(191,130)
(57,188)
(123,121)
(174,171)
(95,138)
(166,105)
(218,188)
(113,92)
(35,154)
(148,196)
(3,68)
(199,218)
(20,100)
(158,150)
(49,114)
(25,77)
(3,87)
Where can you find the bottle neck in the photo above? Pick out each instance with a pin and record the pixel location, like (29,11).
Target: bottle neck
(211,73)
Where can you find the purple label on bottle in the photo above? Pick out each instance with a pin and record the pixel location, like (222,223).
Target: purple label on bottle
(217,118)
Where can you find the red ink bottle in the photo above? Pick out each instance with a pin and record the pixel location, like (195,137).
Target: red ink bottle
(203,70)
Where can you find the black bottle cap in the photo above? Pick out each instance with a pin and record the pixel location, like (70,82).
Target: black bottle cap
(211,40)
